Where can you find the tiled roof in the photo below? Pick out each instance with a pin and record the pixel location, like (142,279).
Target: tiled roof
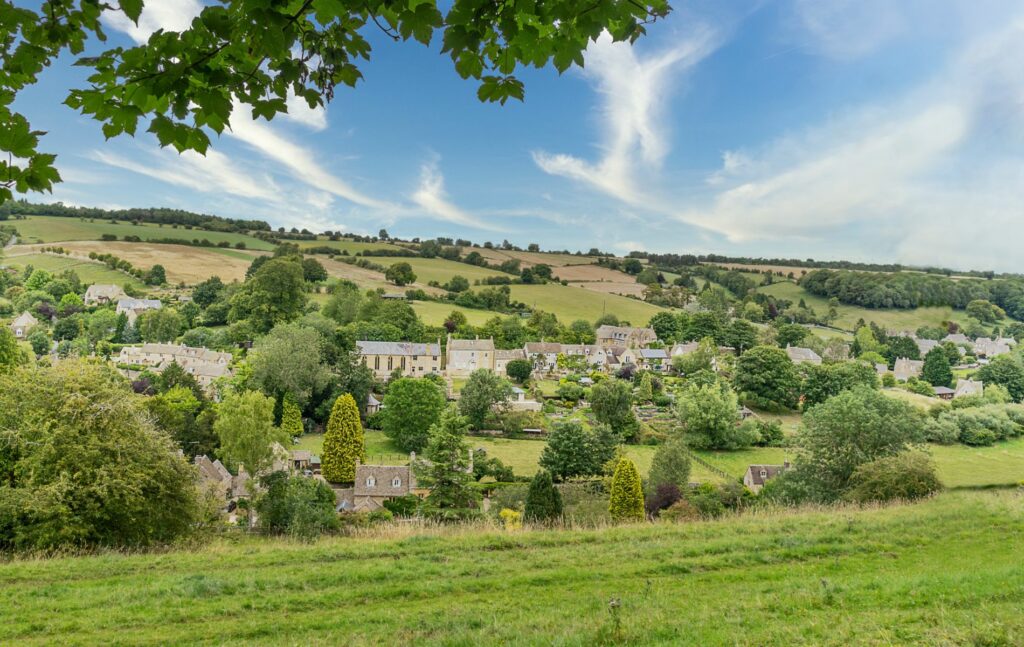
(653,353)
(770,471)
(383,477)
(535,347)
(471,344)
(397,348)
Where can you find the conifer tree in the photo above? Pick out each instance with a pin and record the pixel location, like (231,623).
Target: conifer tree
(646,389)
(936,369)
(291,418)
(343,441)
(543,502)
(627,494)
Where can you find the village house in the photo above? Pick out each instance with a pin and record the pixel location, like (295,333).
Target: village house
(411,359)
(132,308)
(203,364)
(904,368)
(375,484)
(463,356)
(968,387)
(544,355)
(597,357)
(925,345)
(625,336)
(372,405)
(987,347)
(956,338)
(101,294)
(23,324)
(800,355)
(653,359)
(944,393)
(758,475)
(503,357)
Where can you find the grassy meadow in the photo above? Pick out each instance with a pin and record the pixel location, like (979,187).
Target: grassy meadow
(943,572)
(88,271)
(52,229)
(438,269)
(894,319)
(958,466)
(571,303)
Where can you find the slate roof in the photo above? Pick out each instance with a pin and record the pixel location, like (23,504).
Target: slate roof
(24,320)
(515,353)
(544,348)
(397,348)
(799,354)
(139,304)
(653,353)
(471,344)
(103,291)
(383,477)
(968,387)
(770,471)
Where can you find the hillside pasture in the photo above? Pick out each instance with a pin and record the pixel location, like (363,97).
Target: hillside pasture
(529,259)
(569,303)
(347,245)
(183,263)
(438,269)
(600,279)
(88,271)
(434,313)
(891,319)
(52,229)
(943,572)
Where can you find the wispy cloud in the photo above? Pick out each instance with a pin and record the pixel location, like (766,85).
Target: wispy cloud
(169,15)
(633,92)
(212,173)
(848,29)
(431,197)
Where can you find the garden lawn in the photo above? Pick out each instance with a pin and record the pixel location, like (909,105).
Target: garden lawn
(943,572)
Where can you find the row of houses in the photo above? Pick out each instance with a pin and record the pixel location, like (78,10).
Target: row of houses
(202,363)
(980,347)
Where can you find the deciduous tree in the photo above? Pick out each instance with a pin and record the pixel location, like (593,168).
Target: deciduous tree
(245,427)
(411,407)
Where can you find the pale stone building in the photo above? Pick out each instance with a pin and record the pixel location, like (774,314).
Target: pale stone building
(625,336)
(463,356)
(411,359)
(23,324)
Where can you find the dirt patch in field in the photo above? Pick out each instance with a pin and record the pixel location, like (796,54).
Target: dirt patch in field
(182,262)
(367,278)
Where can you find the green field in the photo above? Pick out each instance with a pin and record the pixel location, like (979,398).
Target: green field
(51,229)
(438,269)
(88,271)
(350,246)
(892,319)
(943,572)
(957,465)
(571,303)
(434,313)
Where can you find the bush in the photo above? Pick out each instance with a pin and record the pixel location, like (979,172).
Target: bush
(295,505)
(942,430)
(382,515)
(908,476)
(706,501)
(681,510)
(769,432)
(665,496)
(403,506)
(543,502)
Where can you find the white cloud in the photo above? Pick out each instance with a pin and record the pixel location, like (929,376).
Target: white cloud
(214,173)
(849,29)
(169,15)
(432,198)
(300,112)
(633,92)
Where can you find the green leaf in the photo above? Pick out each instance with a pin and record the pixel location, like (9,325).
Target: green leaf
(132,9)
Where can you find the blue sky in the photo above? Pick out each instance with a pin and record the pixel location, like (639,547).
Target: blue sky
(866,130)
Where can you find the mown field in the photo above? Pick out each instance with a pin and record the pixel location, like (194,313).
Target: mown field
(571,303)
(435,314)
(892,319)
(51,229)
(438,269)
(350,246)
(957,465)
(88,271)
(943,572)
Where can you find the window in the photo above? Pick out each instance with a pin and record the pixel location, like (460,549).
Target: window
(371,482)
(391,361)
(764,473)
(376,362)
(396,482)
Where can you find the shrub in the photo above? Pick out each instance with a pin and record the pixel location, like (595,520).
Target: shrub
(706,501)
(543,502)
(670,465)
(942,430)
(511,519)
(382,515)
(909,476)
(769,432)
(627,496)
(295,505)
(681,510)
(403,506)
(664,496)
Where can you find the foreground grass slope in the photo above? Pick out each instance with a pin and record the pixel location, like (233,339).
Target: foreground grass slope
(943,572)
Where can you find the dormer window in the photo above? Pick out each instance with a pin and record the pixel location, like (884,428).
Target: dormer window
(396,482)
(764,473)
(371,482)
